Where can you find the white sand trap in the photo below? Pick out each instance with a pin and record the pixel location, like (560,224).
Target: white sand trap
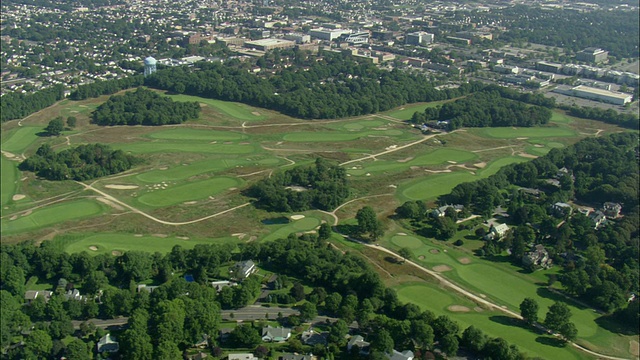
(160,235)
(434,251)
(213,142)
(538,145)
(13,217)
(17,197)
(163,168)
(297,217)
(121,187)
(483,296)
(528,156)
(401,234)
(110,203)
(452,162)
(116,253)
(367,174)
(93,248)
(478,309)
(421,257)
(190,202)
(464,260)
(255,113)
(182,237)
(27,213)
(393,186)
(458,308)
(522,138)
(279,143)
(253,238)
(438,171)
(405,159)
(480,165)
(137,235)
(24,178)
(441,268)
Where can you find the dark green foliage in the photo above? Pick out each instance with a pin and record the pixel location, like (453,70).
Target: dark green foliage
(609,116)
(144,107)
(72,121)
(15,105)
(449,345)
(106,87)
(473,339)
(245,336)
(55,127)
(368,223)
(529,310)
(557,316)
(322,185)
(80,163)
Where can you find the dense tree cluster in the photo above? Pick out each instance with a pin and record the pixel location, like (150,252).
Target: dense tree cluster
(15,105)
(322,185)
(80,163)
(483,109)
(105,87)
(609,116)
(144,107)
(334,86)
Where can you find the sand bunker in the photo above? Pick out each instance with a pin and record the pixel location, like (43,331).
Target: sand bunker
(253,238)
(522,138)
(27,213)
(528,156)
(464,260)
(160,235)
(405,160)
(478,309)
(458,308)
(297,217)
(393,186)
(17,197)
(452,162)
(480,165)
(434,251)
(190,202)
(239,235)
(182,237)
(116,253)
(538,145)
(137,235)
(93,248)
(401,234)
(163,168)
(441,268)
(633,348)
(255,113)
(421,257)
(482,295)
(13,217)
(121,187)
(110,203)
(438,171)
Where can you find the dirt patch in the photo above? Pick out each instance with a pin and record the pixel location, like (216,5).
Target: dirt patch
(27,213)
(633,348)
(17,197)
(421,257)
(255,113)
(110,203)
(478,309)
(121,187)
(160,235)
(190,202)
(13,217)
(116,253)
(480,165)
(93,248)
(538,145)
(297,217)
(253,238)
(434,251)
(406,159)
(441,268)
(458,308)
(528,156)
(464,260)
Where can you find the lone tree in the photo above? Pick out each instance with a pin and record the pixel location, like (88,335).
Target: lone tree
(368,223)
(55,127)
(557,319)
(71,121)
(405,253)
(529,310)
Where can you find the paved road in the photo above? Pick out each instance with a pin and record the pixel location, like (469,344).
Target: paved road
(257,312)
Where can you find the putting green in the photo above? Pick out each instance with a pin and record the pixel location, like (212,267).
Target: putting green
(197,135)
(18,140)
(233,109)
(181,172)
(10,176)
(533,132)
(106,243)
(539,151)
(51,215)
(407,241)
(169,147)
(294,226)
(188,192)
(361,125)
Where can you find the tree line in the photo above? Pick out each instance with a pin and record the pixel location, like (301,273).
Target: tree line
(322,185)
(16,105)
(80,163)
(144,107)
(484,109)
(105,87)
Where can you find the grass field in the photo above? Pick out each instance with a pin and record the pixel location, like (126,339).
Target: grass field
(9,179)
(107,243)
(437,157)
(18,140)
(406,112)
(197,190)
(532,132)
(407,241)
(183,134)
(325,136)
(51,215)
(232,109)
(193,147)
(309,223)
(560,118)
(182,172)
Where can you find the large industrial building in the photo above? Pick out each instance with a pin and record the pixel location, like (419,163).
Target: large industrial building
(269,44)
(328,34)
(298,38)
(585,92)
(592,55)
(419,38)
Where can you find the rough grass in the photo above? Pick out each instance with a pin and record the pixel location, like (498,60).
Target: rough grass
(177,133)
(406,112)
(439,156)
(10,176)
(295,226)
(533,132)
(323,136)
(192,147)
(188,192)
(181,172)
(232,109)
(51,215)
(407,241)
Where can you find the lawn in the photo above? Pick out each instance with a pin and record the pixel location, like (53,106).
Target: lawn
(560,118)
(407,241)
(533,132)
(439,156)
(10,176)
(278,231)
(233,109)
(177,133)
(20,139)
(326,136)
(181,172)
(406,112)
(107,243)
(188,192)
(52,215)
(193,147)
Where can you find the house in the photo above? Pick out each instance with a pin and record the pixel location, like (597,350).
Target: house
(531,192)
(611,210)
(244,356)
(198,356)
(538,257)
(358,341)
(74,295)
(439,212)
(107,344)
(147,288)
(561,209)
(497,232)
(290,356)
(598,219)
(31,295)
(218,285)
(397,355)
(312,338)
(241,270)
(203,342)
(270,334)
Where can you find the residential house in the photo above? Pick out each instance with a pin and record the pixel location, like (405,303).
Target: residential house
(244,356)
(198,356)
(74,295)
(439,212)
(147,288)
(598,219)
(275,334)
(397,355)
(107,344)
(531,192)
(538,257)
(561,209)
(31,295)
(203,342)
(358,342)
(611,210)
(312,338)
(289,356)
(241,270)
(496,232)
(218,285)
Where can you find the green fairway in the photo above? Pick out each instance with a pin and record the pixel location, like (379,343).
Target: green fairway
(233,109)
(194,147)
(188,192)
(51,215)
(107,243)
(534,132)
(9,179)
(182,172)
(294,226)
(492,323)
(337,136)
(439,156)
(557,117)
(197,135)
(407,241)
(360,125)
(406,112)
(18,140)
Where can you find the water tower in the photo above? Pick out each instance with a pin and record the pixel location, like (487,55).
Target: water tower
(149,66)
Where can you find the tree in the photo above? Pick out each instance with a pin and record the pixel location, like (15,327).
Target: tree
(71,121)
(338,331)
(55,127)
(449,344)
(245,336)
(324,232)
(568,331)
(405,253)
(443,325)
(308,311)
(368,222)
(39,343)
(529,310)
(557,316)
(382,341)
(167,350)
(445,227)
(474,339)
(77,350)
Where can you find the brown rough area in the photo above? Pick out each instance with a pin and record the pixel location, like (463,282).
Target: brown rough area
(458,308)
(441,268)
(464,260)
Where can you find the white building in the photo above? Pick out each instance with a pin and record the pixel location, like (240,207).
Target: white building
(585,92)
(419,38)
(328,34)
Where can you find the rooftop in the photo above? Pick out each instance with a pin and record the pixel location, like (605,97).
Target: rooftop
(602,92)
(268,42)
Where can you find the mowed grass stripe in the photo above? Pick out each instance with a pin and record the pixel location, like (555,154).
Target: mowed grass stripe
(51,215)
(186,147)
(188,192)
(182,172)
(9,177)
(306,224)
(233,109)
(197,135)
(20,139)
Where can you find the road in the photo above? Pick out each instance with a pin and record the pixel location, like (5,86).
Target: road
(257,312)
